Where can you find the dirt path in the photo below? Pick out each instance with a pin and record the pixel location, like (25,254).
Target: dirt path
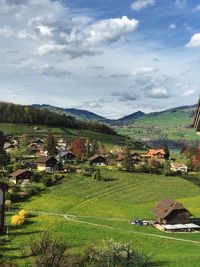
(74,218)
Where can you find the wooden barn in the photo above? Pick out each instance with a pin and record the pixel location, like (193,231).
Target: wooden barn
(20,176)
(46,163)
(197,119)
(171,212)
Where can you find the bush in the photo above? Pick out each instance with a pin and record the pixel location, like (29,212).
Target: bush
(17,220)
(47,181)
(23,213)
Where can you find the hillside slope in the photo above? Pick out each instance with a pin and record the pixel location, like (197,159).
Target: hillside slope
(173,124)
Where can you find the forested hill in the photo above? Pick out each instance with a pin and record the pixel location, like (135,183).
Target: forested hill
(19,114)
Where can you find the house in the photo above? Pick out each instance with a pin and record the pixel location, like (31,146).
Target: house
(156,153)
(10,147)
(33,148)
(39,142)
(20,176)
(98,160)
(171,212)
(62,143)
(65,156)
(47,163)
(175,167)
(136,157)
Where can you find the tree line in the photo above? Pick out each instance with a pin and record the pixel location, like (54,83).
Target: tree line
(19,114)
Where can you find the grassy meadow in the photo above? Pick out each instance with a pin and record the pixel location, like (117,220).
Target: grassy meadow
(83,211)
(167,125)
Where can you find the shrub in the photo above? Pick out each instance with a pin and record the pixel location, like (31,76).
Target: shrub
(17,220)
(23,213)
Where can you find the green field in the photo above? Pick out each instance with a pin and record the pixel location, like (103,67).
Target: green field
(167,125)
(103,210)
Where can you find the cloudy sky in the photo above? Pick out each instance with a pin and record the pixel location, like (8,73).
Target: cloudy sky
(110,57)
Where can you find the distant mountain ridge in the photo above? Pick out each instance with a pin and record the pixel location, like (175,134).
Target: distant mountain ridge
(87,115)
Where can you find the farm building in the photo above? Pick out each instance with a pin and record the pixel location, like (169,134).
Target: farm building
(197,119)
(20,176)
(175,167)
(98,160)
(62,143)
(156,153)
(171,212)
(46,163)
(65,156)
(10,147)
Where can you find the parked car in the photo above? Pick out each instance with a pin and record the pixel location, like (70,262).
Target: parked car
(140,222)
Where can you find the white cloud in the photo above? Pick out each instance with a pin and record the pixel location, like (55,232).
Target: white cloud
(141,4)
(145,71)
(44,30)
(110,30)
(189,92)
(159,93)
(6,31)
(172,26)
(181,3)
(194,41)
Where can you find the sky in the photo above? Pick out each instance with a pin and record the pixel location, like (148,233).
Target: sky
(110,57)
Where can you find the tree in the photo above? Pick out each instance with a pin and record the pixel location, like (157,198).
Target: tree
(167,152)
(116,255)
(2,140)
(78,147)
(48,252)
(94,147)
(97,175)
(128,161)
(51,144)
(4,158)
(24,143)
(88,153)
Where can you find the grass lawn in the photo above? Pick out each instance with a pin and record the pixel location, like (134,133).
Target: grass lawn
(103,211)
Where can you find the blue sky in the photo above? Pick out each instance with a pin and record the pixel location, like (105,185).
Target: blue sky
(110,57)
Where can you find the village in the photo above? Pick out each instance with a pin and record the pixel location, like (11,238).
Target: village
(48,160)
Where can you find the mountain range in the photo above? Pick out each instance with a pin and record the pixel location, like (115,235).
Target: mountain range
(87,115)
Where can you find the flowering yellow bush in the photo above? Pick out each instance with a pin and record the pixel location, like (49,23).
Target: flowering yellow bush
(17,220)
(23,213)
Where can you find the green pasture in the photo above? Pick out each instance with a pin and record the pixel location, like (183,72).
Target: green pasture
(102,210)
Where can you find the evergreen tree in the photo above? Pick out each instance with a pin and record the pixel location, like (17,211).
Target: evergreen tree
(128,161)
(167,152)
(51,144)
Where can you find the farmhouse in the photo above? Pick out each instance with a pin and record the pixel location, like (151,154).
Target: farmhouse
(65,156)
(46,163)
(156,153)
(171,212)
(98,160)
(20,176)
(9,147)
(175,167)
(62,143)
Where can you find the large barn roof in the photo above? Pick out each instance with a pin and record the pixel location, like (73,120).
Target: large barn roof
(165,207)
